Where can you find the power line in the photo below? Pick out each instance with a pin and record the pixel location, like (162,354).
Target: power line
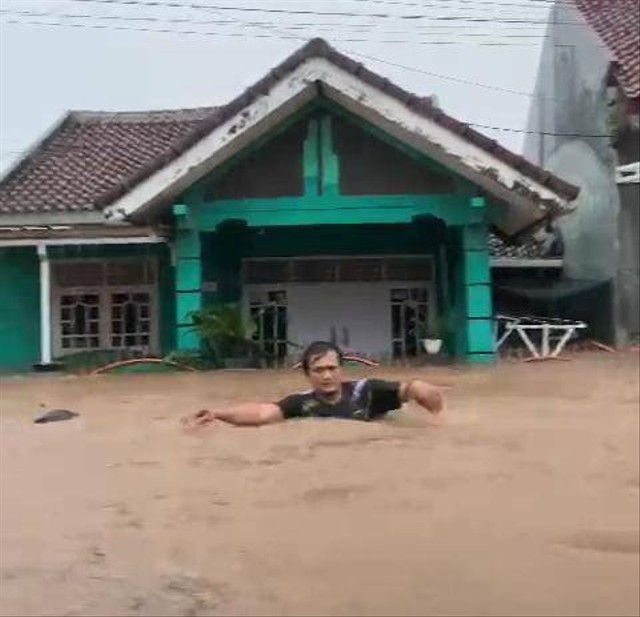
(422,71)
(463,2)
(269,25)
(184,20)
(278,11)
(449,77)
(530,132)
(483,126)
(245,35)
(251,23)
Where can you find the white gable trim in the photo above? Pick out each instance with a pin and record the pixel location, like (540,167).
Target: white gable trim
(296,89)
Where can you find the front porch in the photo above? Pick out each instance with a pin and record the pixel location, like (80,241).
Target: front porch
(358,236)
(364,286)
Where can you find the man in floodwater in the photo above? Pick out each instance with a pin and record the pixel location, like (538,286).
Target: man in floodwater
(330,396)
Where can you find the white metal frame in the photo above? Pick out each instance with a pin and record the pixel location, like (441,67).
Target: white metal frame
(547,328)
(247,305)
(429,286)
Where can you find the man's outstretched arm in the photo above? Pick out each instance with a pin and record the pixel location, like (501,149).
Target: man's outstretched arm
(424,394)
(247,414)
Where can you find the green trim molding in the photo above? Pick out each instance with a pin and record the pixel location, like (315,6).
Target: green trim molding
(454,210)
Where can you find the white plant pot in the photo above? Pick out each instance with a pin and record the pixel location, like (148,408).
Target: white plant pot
(432,346)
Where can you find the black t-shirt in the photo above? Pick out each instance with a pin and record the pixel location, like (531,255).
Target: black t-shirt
(366,399)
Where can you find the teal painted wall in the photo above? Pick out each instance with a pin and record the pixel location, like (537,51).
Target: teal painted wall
(19,308)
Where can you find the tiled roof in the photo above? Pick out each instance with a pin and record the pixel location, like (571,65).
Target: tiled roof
(93,152)
(617,22)
(94,159)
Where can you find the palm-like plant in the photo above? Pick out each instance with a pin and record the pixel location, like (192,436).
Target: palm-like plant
(224,330)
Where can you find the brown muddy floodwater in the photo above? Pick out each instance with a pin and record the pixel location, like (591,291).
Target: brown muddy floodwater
(523,499)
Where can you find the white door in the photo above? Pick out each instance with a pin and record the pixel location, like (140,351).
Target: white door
(352,315)
(341,299)
(376,319)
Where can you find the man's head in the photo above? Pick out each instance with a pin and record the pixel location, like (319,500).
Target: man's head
(322,364)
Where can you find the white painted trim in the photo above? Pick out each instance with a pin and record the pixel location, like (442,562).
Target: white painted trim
(513,262)
(221,142)
(264,114)
(19,219)
(628,174)
(45,306)
(83,241)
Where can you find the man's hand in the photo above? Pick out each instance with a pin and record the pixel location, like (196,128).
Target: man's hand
(247,414)
(200,418)
(424,394)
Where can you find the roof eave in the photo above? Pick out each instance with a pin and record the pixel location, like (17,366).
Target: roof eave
(36,147)
(530,200)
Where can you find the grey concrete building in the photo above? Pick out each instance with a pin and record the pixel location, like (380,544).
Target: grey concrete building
(584,125)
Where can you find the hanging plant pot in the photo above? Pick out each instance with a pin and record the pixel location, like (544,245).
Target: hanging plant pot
(432,345)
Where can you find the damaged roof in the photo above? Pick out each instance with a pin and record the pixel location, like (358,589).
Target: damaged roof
(616,22)
(92,159)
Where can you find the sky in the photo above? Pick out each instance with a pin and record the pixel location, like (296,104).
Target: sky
(479,57)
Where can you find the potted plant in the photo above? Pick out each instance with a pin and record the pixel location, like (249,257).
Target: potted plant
(226,334)
(431,334)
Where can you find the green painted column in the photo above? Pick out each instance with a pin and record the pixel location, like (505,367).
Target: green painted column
(476,291)
(188,279)
(330,169)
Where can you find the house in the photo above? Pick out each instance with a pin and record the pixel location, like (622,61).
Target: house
(329,201)
(584,126)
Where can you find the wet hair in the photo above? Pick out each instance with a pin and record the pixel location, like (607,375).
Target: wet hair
(316,350)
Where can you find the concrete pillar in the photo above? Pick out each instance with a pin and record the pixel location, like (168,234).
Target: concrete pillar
(476,292)
(188,279)
(45,305)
